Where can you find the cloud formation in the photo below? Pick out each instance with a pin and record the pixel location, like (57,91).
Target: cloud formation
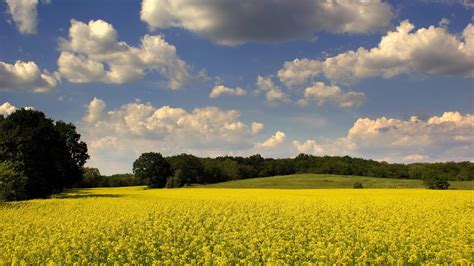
(299,71)
(256,128)
(26,76)
(220,90)
(117,137)
(321,93)
(124,133)
(449,137)
(24,14)
(431,50)
(272,92)
(6,109)
(233,22)
(92,53)
(275,140)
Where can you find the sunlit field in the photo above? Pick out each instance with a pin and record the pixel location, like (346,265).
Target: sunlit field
(199,225)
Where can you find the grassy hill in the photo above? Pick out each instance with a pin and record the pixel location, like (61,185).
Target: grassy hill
(300,181)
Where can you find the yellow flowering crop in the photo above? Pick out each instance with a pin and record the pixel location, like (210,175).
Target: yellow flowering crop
(241,226)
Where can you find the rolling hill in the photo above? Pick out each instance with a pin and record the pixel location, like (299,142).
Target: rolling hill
(312,181)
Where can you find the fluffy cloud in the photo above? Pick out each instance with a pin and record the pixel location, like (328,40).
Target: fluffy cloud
(233,22)
(222,90)
(273,93)
(92,53)
(439,138)
(299,71)
(24,14)
(26,76)
(272,142)
(321,94)
(120,135)
(309,147)
(95,111)
(431,50)
(6,109)
(444,23)
(256,127)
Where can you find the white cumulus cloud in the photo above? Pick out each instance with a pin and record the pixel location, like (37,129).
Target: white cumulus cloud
(234,22)
(322,93)
(121,134)
(26,76)
(95,111)
(92,53)
(431,50)
(272,142)
(6,109)
(272,92)
(448,137)
(222,90)
(299,71)
(256,127)
(309,147)
(24,14)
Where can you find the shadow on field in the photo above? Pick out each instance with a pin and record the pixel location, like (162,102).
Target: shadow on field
(12,204)
(82,194)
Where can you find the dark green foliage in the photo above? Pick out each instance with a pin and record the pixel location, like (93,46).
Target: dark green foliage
(220,169)
(213,171)
(176,180)
(152,168)
(432,181)
(191,166)
(50,155)
(122,180)
(77,152)
(12,182)
(230,169)
(358,185)
(436,183)
(93,178)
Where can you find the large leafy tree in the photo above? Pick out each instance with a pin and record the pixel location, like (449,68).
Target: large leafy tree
(191,166)
(50,155)
(153,168)
(76,152)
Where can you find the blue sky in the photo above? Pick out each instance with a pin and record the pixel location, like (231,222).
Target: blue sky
(362,103)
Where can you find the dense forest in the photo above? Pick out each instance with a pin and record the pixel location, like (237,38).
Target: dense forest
(188,169)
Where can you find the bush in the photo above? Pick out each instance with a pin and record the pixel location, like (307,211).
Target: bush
(439,183)
(358,185)
(12,182)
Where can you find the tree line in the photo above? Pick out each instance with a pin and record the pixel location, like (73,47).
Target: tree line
(183,169)
(93,178)
(40,157)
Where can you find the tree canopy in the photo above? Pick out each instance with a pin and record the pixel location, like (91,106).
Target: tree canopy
(193,169)
(153,168)
(49,155)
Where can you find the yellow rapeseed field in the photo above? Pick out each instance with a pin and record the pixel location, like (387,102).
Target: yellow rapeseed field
(241,226)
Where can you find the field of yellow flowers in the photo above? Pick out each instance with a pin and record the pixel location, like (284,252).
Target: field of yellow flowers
(244,226)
